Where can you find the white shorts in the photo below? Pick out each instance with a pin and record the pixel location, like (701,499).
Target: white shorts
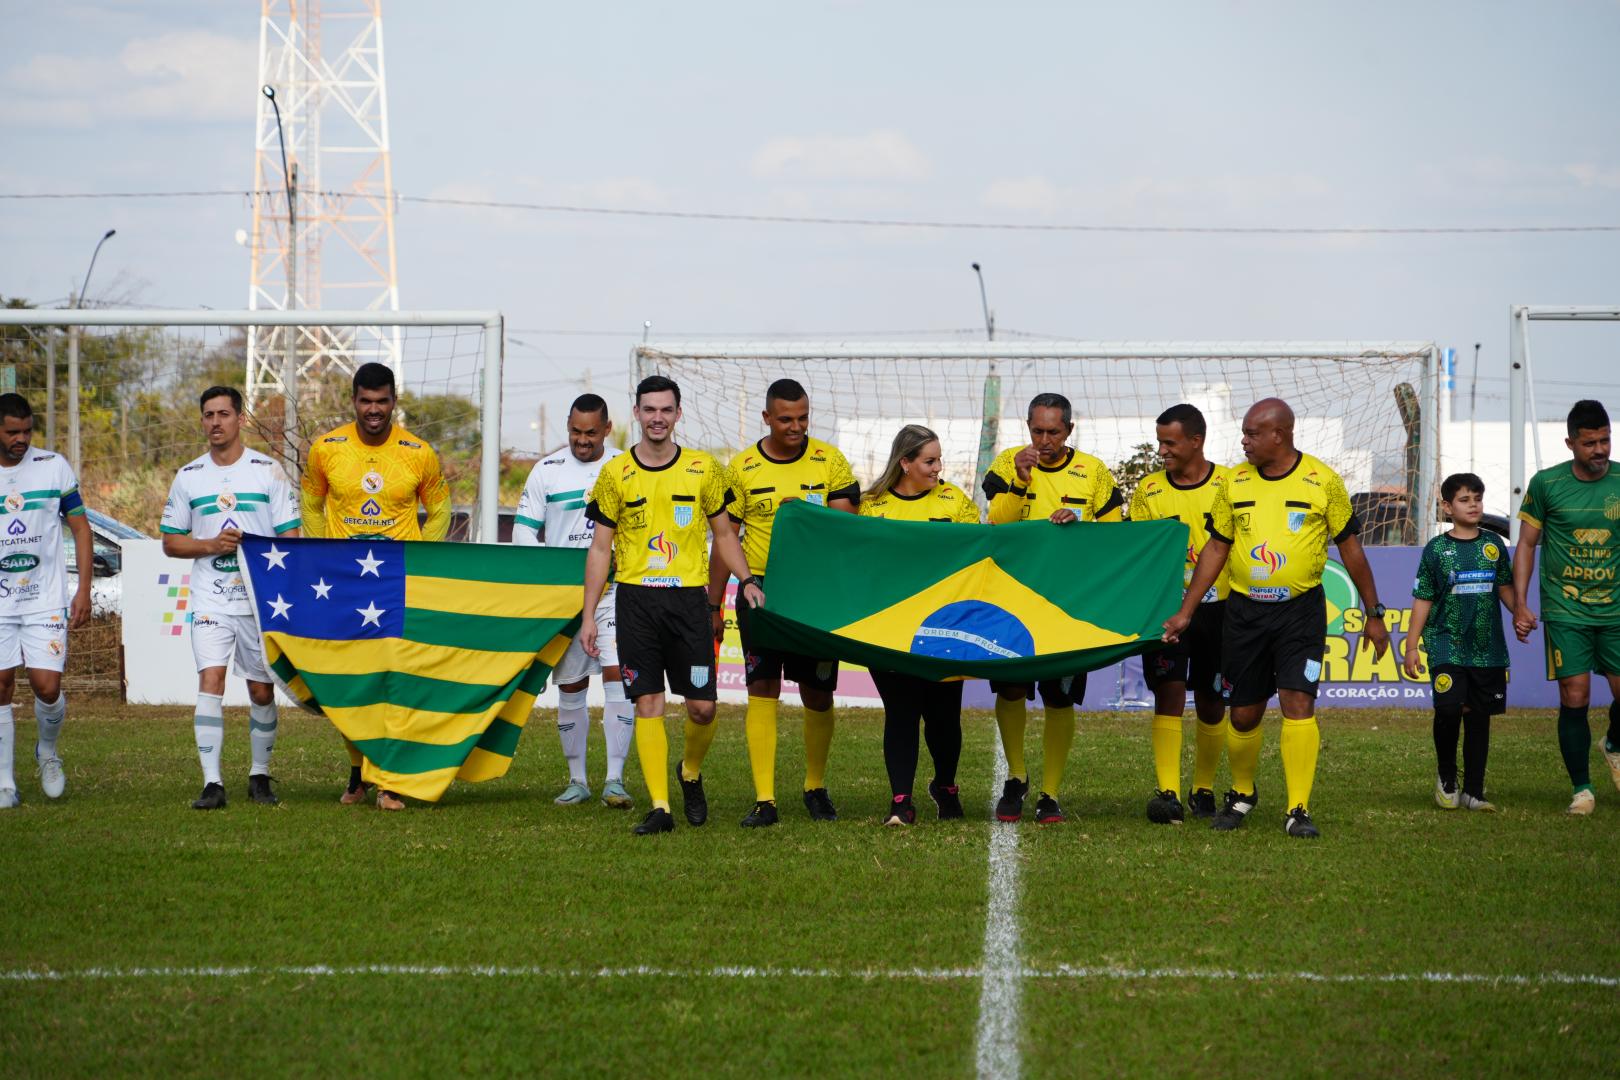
(575,664)
(39,639)
(216,639)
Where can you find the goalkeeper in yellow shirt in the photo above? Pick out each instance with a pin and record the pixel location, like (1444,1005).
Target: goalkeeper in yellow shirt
(1046,480)
(363,481)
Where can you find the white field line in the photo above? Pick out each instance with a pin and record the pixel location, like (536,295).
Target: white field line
(1058,973)
(996,1051)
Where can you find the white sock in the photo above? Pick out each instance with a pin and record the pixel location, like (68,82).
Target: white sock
(574,727)
(48,718)
(208,725)
(262,736)
(8,739)
(618,726)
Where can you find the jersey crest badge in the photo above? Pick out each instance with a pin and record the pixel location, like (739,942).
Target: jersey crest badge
(683,516)
(1491,551)
(14,501)
(1296,520)
(226,501)
(372,483)
(1442,683)
(816,498)
(700,676)
(1313,669)
(1611,508)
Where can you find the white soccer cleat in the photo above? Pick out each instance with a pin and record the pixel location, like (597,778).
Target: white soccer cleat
(1613,758)
(1468,802)
(1582,804)
(52,780)
(8,798)
(1446,800)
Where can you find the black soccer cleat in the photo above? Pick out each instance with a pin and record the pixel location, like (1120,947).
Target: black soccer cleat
(656,821)
(947,798)
(1300,826)
(901,811)
(1201,802)
(694,803)
(1165,809)
(1047,811)
(212,798)
(820,805)
(259,790)
(1010,807)
(1235,811)
(761,816)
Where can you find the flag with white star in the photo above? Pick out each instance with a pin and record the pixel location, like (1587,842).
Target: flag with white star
(427,656)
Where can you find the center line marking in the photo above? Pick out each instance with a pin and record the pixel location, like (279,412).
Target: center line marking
(1000,992)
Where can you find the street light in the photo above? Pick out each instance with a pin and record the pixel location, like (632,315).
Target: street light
(73,359)
(289,359)
(990,413)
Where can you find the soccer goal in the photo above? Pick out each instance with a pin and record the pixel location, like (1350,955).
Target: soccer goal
(1522,388)
(1369,409)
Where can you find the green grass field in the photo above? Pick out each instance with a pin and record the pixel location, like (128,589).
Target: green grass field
(834,949)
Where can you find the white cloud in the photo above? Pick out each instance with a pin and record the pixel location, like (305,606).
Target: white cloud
(183,75)
(1589,175)
(877,155)
(1028,194)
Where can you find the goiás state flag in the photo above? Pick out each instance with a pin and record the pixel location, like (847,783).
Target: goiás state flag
(1019,602)
(427,656)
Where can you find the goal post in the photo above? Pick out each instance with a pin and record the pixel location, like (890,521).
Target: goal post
(1372,410)
(1522,386)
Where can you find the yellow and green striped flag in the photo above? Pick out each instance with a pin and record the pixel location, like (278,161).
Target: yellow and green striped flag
(428,656)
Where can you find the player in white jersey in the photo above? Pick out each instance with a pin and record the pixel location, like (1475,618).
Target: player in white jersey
(37,490)
(551,511)
(229,491)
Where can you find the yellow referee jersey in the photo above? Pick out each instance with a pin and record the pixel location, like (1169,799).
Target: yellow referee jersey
(1079,482)
(819,474)
(660,516)
(942,502)
(1159,498)
(1280,527)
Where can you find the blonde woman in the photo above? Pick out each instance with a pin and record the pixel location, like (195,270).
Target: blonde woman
(910,490)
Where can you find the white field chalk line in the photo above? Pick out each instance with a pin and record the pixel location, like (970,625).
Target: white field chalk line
(1058,973)
(996,1051)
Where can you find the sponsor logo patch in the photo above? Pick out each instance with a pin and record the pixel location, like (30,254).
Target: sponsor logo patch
(370,508)
(225,564)
(18,564)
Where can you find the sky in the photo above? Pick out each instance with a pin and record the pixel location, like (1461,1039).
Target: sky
(1192,114)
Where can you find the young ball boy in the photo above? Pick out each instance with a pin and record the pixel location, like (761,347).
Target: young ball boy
(1463,579)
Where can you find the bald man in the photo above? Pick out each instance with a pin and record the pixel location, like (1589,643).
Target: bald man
(1270,530)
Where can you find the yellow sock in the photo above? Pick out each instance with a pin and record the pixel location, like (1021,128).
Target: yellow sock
(1010,718)
(652,747)
(1209,741)
(1167,752)
(1243,754)
(698,738)
(759,727)
(1055,746)
(1301,739)
(818,731)
(356,758)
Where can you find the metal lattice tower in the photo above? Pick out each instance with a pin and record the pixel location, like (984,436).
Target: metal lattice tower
(324,58)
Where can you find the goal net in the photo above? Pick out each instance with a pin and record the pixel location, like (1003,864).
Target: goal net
(1367,409)
(136,420)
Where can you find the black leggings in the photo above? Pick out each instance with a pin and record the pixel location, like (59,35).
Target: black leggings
(906,700)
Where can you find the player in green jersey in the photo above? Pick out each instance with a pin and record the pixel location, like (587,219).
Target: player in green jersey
(1573,511)
(1463,579)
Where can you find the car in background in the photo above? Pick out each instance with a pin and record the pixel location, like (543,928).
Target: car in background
(106,586)
(1385,521)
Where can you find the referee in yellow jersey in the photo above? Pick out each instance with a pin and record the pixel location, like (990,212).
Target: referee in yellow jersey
(654,509)
(1270,530)
(785,465)
(1046,480)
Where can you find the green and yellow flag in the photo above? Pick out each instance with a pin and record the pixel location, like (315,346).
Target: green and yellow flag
(428,656)
(1018,602)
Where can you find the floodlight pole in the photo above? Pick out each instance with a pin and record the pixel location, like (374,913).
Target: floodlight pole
(75,303)
(289,360)
(990,422)
(1473,407)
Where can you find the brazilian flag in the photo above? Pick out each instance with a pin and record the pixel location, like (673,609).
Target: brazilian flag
(1019,602)
(428,656)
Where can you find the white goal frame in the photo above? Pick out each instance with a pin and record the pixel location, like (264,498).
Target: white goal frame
(1522,385)
(491,322)
(644,361)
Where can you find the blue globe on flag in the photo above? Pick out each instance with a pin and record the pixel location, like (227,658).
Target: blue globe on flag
(972,630)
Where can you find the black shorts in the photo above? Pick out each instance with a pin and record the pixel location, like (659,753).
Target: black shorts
(760,663)
(1482,690)
(1266,647)
(1055,693)
(1195,660)
(665,632)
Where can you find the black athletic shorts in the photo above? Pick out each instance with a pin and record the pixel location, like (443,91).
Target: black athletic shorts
(761,663)
(665,632)
(1055,693)
(1195,660)
(1483,690)
(1266,647)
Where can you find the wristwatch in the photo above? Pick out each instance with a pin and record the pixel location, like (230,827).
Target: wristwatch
(747,581)
(1376,611)
(716,607)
